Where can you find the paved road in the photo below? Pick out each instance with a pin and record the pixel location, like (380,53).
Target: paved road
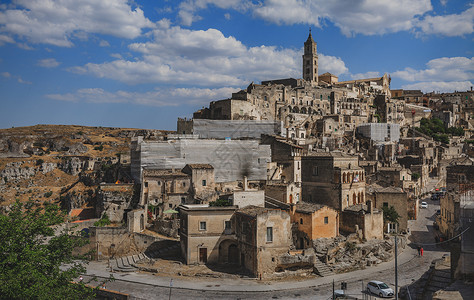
(410,268)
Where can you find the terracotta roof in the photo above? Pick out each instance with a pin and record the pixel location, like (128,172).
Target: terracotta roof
(327,73)
(163,173)
(254,211)
(83,213)
(390,189)
(200,166)
(306,207)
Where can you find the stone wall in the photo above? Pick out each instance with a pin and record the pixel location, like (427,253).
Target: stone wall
(117,241)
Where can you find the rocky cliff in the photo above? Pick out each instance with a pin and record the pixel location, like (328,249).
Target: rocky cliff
(64,163)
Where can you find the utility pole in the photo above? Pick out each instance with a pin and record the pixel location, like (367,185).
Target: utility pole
(413,130)
(396,268)
(333,295)
(171,285)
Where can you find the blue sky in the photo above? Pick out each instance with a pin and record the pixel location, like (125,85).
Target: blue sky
(143,64)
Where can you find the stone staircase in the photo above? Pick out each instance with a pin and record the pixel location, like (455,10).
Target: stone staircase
(438,279)
(321,268)
(129,263)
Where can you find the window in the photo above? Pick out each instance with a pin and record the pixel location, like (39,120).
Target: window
(159,182)
(202,225)
(170,205)
(183,200)
(146,184)
(315,171)
(184,184)
(204,182)
(326,220)
(301,220)
(385,204)
(269,234)
(227,227)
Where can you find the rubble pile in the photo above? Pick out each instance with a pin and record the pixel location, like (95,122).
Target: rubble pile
(344,254)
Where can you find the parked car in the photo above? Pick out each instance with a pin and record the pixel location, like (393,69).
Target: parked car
(435,197)
(424,204)
(379,288)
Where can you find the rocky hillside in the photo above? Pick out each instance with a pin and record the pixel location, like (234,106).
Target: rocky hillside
(63,162)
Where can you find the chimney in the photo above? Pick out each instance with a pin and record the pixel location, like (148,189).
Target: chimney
(245,183)
(369,206)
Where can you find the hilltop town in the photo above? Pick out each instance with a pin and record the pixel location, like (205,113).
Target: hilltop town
(289,177)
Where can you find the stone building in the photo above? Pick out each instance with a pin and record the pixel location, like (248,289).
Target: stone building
(283,192)
(364,220)
(301,102)
(333,179)
(203,187)
(207,234)
(287,155)
(253,237)
(313,221)
(167,189)
(263,235)
(396,197)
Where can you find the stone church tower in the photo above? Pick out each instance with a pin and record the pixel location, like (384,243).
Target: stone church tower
(310,61)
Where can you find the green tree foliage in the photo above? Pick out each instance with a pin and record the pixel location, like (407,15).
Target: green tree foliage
(415,176)
(104,221)
(36,263)
(435,128)
(220,202)
(390,214)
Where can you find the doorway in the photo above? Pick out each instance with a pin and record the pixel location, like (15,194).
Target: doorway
(203,255)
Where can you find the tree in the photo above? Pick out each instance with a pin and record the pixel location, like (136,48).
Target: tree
(390,214)
(36,263)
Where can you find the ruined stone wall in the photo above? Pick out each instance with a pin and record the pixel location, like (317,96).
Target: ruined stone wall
(114,200)
(117,242)
(371,224)
(399,200)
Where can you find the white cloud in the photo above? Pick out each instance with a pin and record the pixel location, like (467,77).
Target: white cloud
(104,43)
(5,39)
(48,63)
(206,58)
(188,8)
(158,97)
(439,86)
(370,74)
(366,17)
(449,25)
(20,80)
(441,69)
(445,74)
(56,22)
(331,64)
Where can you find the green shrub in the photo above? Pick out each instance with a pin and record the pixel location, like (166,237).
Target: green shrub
(220,202)
(104,221)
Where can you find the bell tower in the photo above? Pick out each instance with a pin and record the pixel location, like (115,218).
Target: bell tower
(310,60)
